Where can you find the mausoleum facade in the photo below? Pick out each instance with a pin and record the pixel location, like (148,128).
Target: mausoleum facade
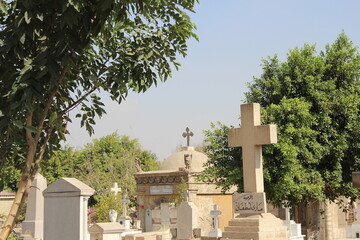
(183,167)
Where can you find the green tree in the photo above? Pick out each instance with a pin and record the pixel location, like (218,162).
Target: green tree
(55,56)
(315,101)
(111,159)
(106,160)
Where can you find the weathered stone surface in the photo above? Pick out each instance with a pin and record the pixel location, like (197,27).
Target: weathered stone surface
(251,136)
(33,223)
(263,226)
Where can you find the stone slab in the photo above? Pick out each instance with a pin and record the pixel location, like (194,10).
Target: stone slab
(356,179)
(161,190)
(249,203)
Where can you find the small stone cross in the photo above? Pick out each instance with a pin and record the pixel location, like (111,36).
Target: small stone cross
(287,212)
(187,134)
(250,137)
(125,200)
(115,188)
(215,216)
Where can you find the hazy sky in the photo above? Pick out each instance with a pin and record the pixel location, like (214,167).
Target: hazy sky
(209,86)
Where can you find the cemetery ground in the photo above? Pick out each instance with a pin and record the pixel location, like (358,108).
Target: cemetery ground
(60,210)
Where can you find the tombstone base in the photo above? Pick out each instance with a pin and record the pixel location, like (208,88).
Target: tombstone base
(264,226)
(26,237)
(125,222)
(215,233)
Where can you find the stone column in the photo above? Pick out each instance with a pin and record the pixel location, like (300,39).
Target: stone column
(34,218)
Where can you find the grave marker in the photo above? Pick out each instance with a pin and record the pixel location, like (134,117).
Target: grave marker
(251,136)
(115,189)
(256,223)
(215,231)
(125,220)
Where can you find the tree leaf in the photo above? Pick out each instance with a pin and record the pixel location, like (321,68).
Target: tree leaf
(27,18)
(32,129)
(3,8)
(22,39)
(53,117)
(18,124)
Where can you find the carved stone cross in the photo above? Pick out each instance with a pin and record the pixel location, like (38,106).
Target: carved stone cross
(187,134)
(215,215)
(115,189)
(125,200)
(250,137)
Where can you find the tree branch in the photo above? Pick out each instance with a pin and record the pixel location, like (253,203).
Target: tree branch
(77,102)
(49,102)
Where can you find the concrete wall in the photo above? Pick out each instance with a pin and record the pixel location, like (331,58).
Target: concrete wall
(5,205)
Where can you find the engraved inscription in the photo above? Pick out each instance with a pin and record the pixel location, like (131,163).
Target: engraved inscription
(249,202)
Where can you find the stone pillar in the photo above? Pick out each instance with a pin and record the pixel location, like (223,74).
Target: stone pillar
(165,216)
(65,213)
(34,217)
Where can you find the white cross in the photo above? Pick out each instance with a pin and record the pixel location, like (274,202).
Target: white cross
(250,137)
(215,216)
(125,200)
(115,188)
(287,212)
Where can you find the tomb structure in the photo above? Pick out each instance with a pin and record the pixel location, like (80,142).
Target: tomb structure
(179,169)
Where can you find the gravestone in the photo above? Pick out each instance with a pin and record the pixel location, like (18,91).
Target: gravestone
(148,220)
(65,210)
(293,227)
(115,188)
(356,179)
(106,231)
(215,231)
(124,219)
(187,220)
(253,221)
(165,216)
(34,216)
(112,212)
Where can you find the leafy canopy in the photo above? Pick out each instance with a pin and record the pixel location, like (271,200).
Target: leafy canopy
(315,101)
(54,57)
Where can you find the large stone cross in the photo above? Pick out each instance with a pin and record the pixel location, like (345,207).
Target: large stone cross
(187,134)
(251,136)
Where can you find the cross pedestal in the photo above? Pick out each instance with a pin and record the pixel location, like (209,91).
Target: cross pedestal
(258,224)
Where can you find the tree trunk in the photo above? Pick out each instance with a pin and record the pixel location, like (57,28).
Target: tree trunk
(20,196)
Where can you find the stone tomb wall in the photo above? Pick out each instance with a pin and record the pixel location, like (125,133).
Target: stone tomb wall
(156,187)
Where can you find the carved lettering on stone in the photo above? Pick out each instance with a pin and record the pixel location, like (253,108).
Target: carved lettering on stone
(249,203)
